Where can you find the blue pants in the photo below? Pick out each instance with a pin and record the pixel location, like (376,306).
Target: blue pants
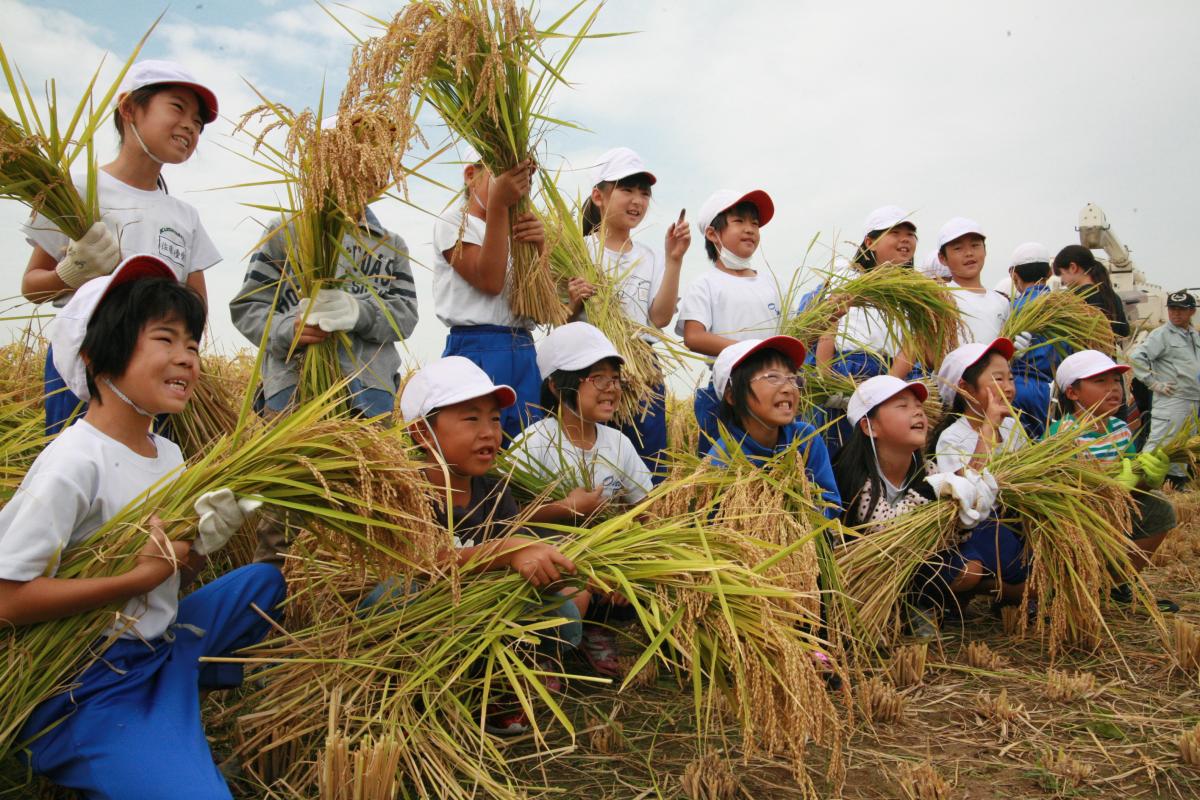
(367,401)
(994,545)
(60,403)
(132,728)
(508,357)
(649,433)
(706,405)
(1033,403)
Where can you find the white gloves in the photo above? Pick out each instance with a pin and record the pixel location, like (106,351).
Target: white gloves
(838,402)
(221,514)
(1022,340)
(975,493)
(331,310)
(1164,388)
(95,255)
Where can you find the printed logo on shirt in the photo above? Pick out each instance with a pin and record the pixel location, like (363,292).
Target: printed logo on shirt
(172,247)
(637,290)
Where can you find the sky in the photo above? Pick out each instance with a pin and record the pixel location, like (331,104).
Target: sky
(1015,114)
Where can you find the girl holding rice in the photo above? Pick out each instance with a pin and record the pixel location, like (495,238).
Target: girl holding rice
(161,112)
(575,448)
(648,283)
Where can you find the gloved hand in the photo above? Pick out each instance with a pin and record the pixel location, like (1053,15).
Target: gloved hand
(1127,477)
(95,255)
(333,310)
(838,402)
(1154,465)
(1165,388)
(221,514)
(986,491)
(1022,340)
(949,484)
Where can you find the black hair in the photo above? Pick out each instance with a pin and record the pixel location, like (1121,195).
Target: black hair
(1082,257)
(141,99)
(864,257)
(740,387)
(856,463)
(113,331)
(562,386)
(1033,272)
(959,406)
(591,212)
(720,221)
(942,249)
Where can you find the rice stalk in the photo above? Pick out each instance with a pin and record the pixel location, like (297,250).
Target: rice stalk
(1067,687)
(980,656)
(908,665)
(1186,640)
(922,782)
(1065,320)
(879,702)
(998,710)
(709,777)
(1071,774)
(920,313)
(1189,746)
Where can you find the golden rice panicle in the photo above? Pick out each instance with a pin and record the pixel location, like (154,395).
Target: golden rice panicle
(1189,746)
(1066,320)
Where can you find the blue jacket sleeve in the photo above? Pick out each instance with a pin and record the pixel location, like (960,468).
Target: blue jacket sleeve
(820,471)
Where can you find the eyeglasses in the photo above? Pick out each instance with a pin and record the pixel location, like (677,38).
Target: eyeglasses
(780,379)
(605,382)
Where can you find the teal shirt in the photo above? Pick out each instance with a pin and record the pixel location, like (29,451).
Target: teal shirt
(1114,444)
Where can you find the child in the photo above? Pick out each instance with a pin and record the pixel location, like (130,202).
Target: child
(1091,387)
(881,475)
(732,301)
(453,412)
(649,285)
(581,390)
(130,726)
(165,109)
(1034,364)
(471,283)
(1168,362)
(976,386)
(962,248)
(375,307)
(759,388)
(1078,269)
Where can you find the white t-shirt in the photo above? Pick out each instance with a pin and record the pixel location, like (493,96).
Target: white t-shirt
(81,480)
(455,301)
(984,313)
(733,307)
(639,274)
(956,446)
(612,462)
(142,221)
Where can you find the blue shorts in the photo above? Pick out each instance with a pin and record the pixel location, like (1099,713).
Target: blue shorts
(994,545)
(649,433)
(1032,403)
(706,405)
(132,728)
(508,357)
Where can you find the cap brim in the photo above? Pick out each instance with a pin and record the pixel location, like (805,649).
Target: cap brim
(1001,345)
(920,389)
(136,268)
(210,100)
(791,347)
(1121,368)
(761,200)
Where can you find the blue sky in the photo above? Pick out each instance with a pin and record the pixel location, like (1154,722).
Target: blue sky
(1016,114)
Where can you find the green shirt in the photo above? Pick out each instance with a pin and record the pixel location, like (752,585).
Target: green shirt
(1115,443)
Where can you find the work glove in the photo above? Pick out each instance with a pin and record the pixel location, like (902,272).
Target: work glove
(1165,388)
(95,255)
(949,484)
(1154,465)
(333,310)
(221,514)
(1022,340)
(838,402)
(1127,477)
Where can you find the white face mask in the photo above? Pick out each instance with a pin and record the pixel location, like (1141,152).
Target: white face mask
(733,262)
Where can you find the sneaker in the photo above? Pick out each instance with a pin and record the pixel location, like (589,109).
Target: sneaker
(505,720)
(920,620)
(1123,594)
(599,649)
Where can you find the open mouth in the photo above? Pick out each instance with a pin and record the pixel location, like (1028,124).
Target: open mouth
(785,405)
(179,385)
(182,141)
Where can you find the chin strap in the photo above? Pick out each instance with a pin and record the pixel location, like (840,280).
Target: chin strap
(145,149)
(128,402)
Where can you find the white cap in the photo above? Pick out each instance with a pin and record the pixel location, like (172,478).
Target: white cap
(1030,253)
(725,199)
(576,345)
(879,389)
(730,357)
(70,326)
(933,266)
(618,163)
(1085,364)
(957,228)
(152,73)
(469,154)
(882,219)
(960,359)
(447,381)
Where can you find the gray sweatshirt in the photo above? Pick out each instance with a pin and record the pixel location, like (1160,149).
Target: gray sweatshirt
(379,268)
(1170,355)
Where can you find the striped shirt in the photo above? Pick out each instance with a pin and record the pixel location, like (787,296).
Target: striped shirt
(1115,443)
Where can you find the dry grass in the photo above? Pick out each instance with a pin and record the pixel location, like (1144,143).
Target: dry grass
(908,665)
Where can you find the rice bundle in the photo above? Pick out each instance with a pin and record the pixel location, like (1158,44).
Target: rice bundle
(571,256)
(211,413)
(358,481)
(481,65)
(38,150)
(920,313)
(1066,321)
(22,437)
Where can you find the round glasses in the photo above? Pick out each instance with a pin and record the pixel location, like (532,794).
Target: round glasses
(780,379)
(605,382)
